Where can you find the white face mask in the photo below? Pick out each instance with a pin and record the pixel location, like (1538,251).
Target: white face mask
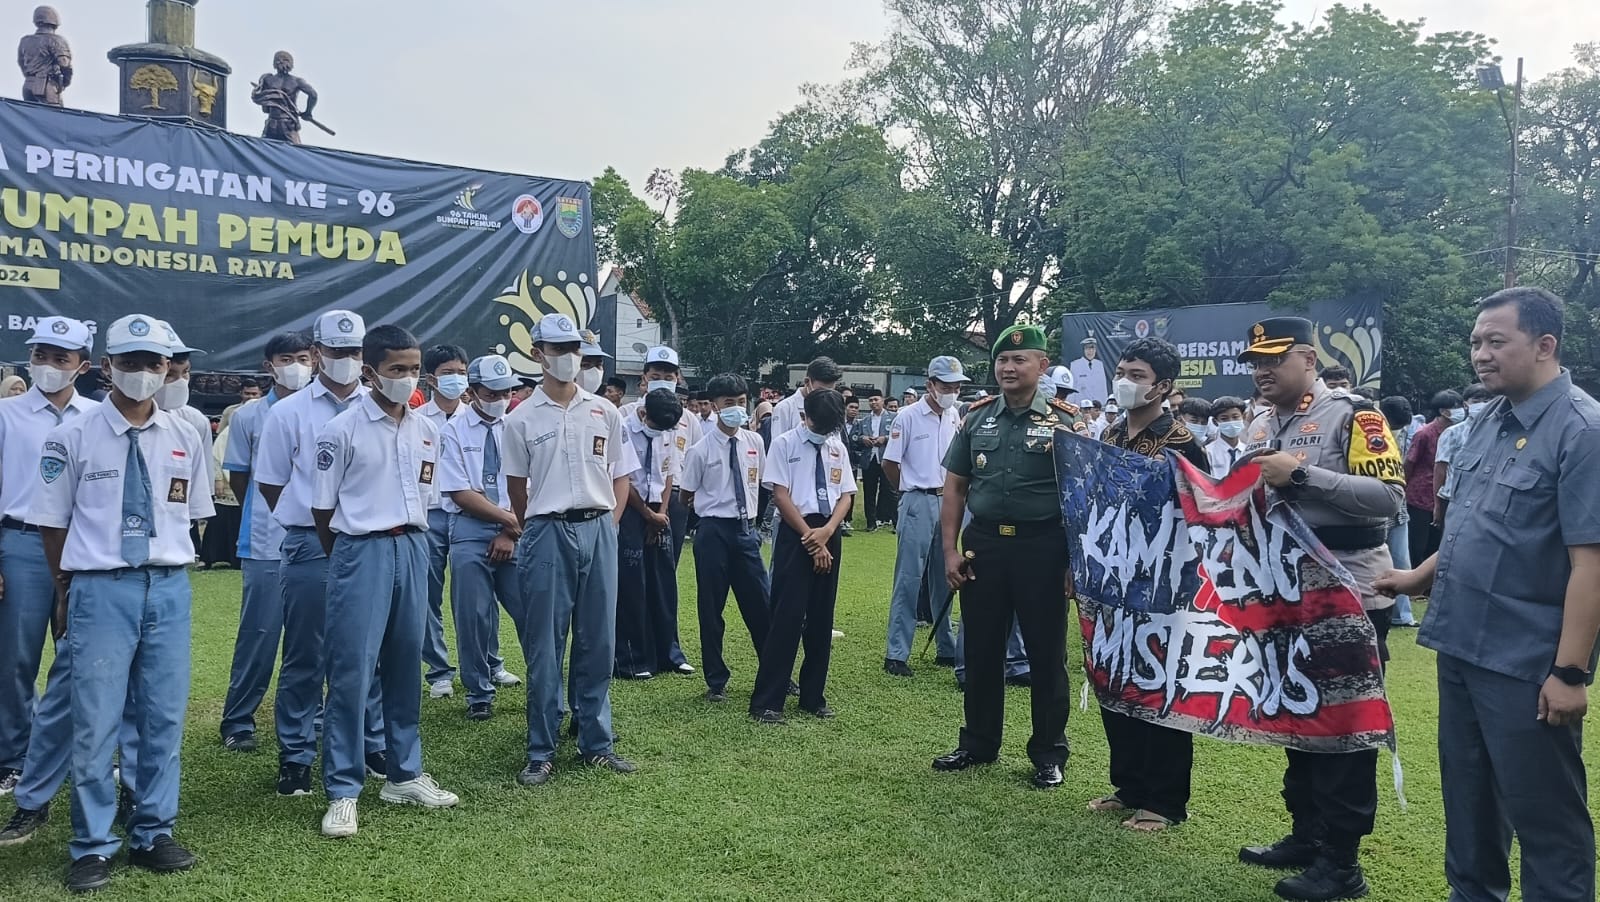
(173,395)
(944,400)
(140,386)
(48,379)
(342,370)
(398,391)
(494,410)
(656,384)
(1130,394)
(563,367)
(590,379)
(1475,408)
(293,376)
(1231,429)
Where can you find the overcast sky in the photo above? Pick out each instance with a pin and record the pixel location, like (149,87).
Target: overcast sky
(565,89)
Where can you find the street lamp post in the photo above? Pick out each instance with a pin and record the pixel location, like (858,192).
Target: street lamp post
(1490,77)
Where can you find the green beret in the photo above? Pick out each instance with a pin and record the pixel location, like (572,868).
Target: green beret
(1020,337)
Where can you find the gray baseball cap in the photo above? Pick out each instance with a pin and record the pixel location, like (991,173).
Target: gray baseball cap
(946,369)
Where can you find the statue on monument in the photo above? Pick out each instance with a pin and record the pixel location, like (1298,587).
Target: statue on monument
(277,92)
(45,59)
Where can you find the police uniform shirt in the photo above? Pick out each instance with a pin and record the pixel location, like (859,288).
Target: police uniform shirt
(788,414)
(918,439)
(706,474)
(431,412)
(288,451)
(24,421)
(81,471)
(664,459)
(1527,492)
(376,473)
(569,455)
(261,534)
(461,446)
(791,463)
(1223,456)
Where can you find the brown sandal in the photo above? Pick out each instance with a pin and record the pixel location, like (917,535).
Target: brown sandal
(1107,803)
(1148,822)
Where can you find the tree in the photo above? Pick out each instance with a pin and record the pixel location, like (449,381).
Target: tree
(1563,166)
(155,79)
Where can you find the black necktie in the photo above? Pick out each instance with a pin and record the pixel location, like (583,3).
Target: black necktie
(649,451)
(734,480)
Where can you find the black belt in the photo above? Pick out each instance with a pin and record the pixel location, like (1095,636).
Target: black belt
(937,493)
(577,516)
(1023,529)
(389,533)
(14,523)
(1352,538)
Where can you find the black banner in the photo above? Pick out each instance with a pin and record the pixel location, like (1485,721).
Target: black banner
(1349,331)
(233,239)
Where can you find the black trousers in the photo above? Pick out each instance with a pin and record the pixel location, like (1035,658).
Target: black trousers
(1333,798)
(802,613)
(1422,535)
(678,513)
(1151,764)
(881,500)
(727,555)
(1022,576)
(647,600)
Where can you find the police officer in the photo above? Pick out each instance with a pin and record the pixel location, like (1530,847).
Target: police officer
(1331,456)
(913,464)
(567,463)
(1001,465)
(119,487)
(483,532)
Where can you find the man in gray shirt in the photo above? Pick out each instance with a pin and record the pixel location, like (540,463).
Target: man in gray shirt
(1515,611)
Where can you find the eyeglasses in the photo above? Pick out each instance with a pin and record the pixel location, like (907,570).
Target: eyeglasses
(1263,362)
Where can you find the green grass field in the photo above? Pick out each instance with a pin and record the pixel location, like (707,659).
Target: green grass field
(723,808)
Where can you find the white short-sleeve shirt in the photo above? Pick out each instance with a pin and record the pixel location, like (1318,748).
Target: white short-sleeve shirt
(569,455)
(260,534)
(461,458)
(81,470)
(376,473)
(917,442)
(288,452)
(706,473)
(664,459)
(1221,456)
(791,462)
(431,412)
(788,414)
(24,421)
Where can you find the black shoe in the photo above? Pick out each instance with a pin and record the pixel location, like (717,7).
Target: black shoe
(1290,852)
(125,807)
(294,779)
(480,711)
(165,856)
(768,716)
(89,873)
(960,759)
(896,668)
(240,742)
(610,761)
(9,778)
(822,713)
(944,661)
(1021,679)
(1046,776)
(23,824)
(716,695)
(1324,881)
(378,765)
(537,773)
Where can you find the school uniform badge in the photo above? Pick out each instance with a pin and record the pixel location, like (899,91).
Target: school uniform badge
(425,476)
(51,468)
(599,446)
(178,491)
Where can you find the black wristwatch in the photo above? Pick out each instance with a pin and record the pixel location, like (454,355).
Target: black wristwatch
(1299,476)
(1572,676)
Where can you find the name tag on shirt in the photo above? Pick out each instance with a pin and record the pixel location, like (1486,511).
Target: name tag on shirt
(425,477)
(750,475)
(835,475)
(599,446)
(178,491)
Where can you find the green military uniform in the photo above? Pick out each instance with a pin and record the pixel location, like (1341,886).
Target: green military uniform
(1018,564)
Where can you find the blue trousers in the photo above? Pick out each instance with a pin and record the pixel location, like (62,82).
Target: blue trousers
(255,649)
(24,625)
(1016,653)
(376,620)
(435,654)
(475,585)
(1400,553)
(128,631)
(303,573)
(919,558)
(568,573)
(50,749)
(727,555)
(647,600)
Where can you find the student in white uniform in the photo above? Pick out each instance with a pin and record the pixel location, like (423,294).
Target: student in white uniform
(647,581)
(285,470)
(1225,450)
(721,481)
(808,470)
(787,414)
(376,468)
(119,488)
(39,735)
(661,370)
(483,531)
(913,463)
(567,462)
(289,359)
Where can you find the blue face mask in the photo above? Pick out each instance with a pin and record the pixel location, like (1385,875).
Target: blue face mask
(733,417)
(815,438)
(452,386)
(1457,414)
(655,384)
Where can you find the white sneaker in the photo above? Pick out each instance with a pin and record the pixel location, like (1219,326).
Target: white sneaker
(504,677)
(441,689)
(340,819)
(838,634)
(421,791)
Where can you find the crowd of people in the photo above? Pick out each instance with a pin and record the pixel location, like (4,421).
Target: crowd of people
(370,467)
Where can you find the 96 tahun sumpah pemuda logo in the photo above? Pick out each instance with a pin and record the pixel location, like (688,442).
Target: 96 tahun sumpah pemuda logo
(1356,346)
(534,299)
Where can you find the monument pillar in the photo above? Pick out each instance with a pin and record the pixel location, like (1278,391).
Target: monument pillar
(167,77)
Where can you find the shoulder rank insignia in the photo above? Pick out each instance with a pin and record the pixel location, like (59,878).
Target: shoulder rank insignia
(1064,407)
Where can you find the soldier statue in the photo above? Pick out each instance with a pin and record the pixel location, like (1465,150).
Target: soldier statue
(45,59)
(276,94)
